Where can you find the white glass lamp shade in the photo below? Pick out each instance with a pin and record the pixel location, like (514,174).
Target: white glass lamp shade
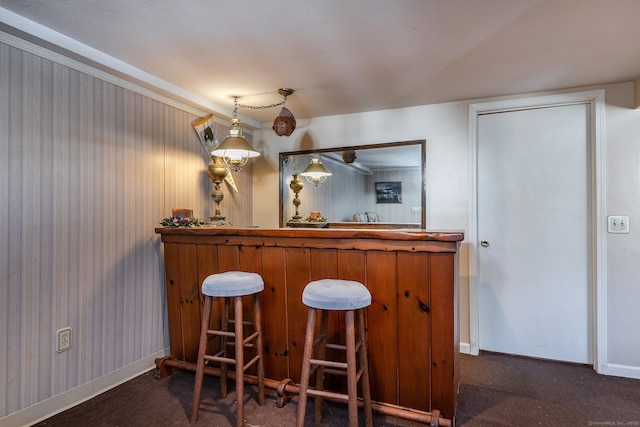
(235,151)
(315,173)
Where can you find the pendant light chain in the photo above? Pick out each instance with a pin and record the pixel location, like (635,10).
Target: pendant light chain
(235,150)
(285,92)
(235,107)
(260,107)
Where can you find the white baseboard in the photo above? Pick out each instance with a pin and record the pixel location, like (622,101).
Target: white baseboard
(625,371)
(61,402)
(465,348)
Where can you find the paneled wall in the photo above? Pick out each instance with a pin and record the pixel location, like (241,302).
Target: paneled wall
(87,170)
(411,184)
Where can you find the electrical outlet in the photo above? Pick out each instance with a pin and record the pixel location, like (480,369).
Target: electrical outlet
(618,224)
(63,339)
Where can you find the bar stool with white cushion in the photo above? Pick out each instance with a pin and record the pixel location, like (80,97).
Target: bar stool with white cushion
(231,284)
(351,297)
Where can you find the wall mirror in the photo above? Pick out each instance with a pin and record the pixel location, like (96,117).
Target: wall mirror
(371,186)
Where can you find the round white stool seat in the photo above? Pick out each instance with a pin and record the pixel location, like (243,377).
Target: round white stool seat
(232,284)
(336,294)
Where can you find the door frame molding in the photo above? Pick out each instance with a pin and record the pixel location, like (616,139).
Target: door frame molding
(597,230)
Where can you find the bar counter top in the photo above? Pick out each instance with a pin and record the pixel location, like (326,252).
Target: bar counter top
(318,233)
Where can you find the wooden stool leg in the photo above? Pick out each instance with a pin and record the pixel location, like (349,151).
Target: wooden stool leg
(202,349)
(352,378)
(239,363)
(364,364)
(321,353)
(259,342)
(223,346)
(306,367)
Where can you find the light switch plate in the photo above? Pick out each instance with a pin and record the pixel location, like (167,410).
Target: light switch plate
(618,224)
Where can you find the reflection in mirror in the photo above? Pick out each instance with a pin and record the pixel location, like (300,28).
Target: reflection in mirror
(371,186)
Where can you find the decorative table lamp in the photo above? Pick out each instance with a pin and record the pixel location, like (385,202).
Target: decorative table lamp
(296,186)
(217,171)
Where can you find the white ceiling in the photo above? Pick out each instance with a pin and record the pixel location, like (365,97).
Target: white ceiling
(342,56)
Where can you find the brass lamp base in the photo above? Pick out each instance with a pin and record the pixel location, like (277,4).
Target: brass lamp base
(294,220)
(218,221)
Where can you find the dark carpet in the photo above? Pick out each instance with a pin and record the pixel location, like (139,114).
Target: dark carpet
(503,390)
(495,390)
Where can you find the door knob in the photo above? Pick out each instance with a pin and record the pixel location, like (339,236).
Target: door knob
(484,243)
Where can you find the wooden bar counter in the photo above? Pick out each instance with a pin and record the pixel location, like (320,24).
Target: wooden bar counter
(412,322)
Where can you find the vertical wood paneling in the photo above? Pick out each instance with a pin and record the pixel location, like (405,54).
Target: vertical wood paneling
(275,327)
(46,238)
(87,170)
(5,291)
(174,293)
(382,316)
(414,328)
(298,274)
(412,320)
(30,176)
(443,301)
(71,216)
(61,144)
(13,125)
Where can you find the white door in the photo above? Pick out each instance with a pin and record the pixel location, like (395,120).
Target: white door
(533,232)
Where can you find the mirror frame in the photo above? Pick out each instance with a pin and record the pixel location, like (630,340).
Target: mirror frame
(423,156)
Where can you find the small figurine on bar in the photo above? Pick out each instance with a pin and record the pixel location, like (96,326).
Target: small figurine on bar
(316,216)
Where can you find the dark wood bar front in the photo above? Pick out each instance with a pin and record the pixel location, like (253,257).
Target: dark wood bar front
(412,322)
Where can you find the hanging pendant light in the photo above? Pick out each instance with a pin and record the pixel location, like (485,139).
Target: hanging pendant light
(315,173)
(285,123)
(235,151)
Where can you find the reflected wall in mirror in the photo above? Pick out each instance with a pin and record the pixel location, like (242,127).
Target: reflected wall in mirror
(348,197)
